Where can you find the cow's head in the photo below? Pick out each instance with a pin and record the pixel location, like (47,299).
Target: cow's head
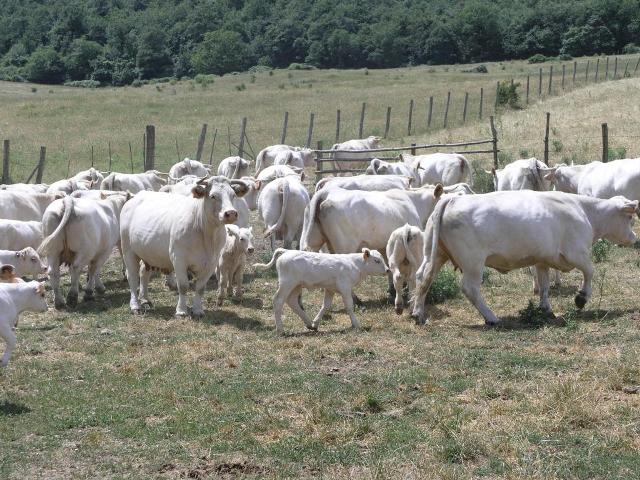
(29,261)
(374,142)
(562,177)
(37,301)
(618,225)
(373,262)
(307,156)
(218,193)
(251,197)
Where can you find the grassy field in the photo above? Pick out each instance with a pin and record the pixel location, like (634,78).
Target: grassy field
(69,121)
(98,393)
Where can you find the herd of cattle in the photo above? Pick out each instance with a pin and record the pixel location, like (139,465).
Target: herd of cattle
(402,219)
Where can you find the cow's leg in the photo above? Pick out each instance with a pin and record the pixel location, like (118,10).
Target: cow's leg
(124,267)
(586,267)
(348,305)
(145,276)
(471,281)
(91,282)
(272,239)
(197,310)
(132,263)
(170,282)
(424,278)
(397,284)
(10,339)
(238,278)
(282,294)
(557,283)
(543,282)
(75,271)
(292,301)
(534,274)
(54,278)
(223,282)
(326,306)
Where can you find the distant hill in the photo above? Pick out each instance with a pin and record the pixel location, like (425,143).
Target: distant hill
(116,42)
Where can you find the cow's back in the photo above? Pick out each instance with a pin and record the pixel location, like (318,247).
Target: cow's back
(606,180)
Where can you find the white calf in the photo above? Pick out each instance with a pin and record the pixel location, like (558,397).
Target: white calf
(16,234)
(405,255)
(16,298)
(331,272)
(26,261)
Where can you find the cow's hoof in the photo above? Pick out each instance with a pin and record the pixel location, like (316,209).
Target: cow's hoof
(492,323)
(551,315)
(72,300)
(313,328)
(146,304)
(399,310)
(136,311)
(197,314)
(219,302)
(581,300)
(88,296)
(100,289)
(182,314)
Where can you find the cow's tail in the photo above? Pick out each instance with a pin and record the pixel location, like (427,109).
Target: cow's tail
(67,211)
(276,254)
(285,201)
(406,233)
(434,235)
(259,160)
(538,183)
(465,170)
(494,175)
(109,182)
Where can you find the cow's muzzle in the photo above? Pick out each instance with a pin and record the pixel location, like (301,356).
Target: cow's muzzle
(230,216)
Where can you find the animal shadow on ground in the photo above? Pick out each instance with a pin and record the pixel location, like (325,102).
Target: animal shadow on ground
(8,409)
(226,316)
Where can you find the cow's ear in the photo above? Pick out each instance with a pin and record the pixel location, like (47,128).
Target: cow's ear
(103,196)
(366,253)
(257,184)
(438,191)
(240,187)
(199,191)
(7,271)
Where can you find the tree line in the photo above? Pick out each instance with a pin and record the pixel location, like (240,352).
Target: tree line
(116,42)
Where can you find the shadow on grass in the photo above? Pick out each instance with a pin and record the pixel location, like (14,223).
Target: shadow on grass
(226,316)
(8,409)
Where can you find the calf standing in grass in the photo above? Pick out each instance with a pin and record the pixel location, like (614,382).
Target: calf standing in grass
(26,261)
(16,298)
(232,260)
(405,255)
(331,272)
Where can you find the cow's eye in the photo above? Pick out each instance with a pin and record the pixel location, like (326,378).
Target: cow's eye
(377,261)
(33,260)
(213,197)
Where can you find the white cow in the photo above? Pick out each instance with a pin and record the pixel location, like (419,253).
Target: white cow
(281,206)
(134,182)
(525,174)
(509,230)
(26,187)
(175,233)
(380,167)
(234,167)
(80,232)
(16,298)
(92,177)
(230,271)
(26,261)
(333,273)
(187,167)
(182,186)
(68,186)
(404,251)
(272,172)
(266,157)
(354,146)
(293,158)
(444,168)
(21,205)
(369,183)
(597,179)
(16,234)
(254,192)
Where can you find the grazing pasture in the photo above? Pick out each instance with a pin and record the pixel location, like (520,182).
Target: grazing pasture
(96,392)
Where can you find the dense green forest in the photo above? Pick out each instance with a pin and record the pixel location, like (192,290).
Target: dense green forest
(116,42)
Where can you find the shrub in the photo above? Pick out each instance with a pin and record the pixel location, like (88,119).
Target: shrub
(301,66)
(631,48)
(482,181)
(260,69)
(137,83)
(617,153)
(600,250)
(532,315)
(444,287)
(508,94)
(477,69)
(12,74)
(557,145)
(162,80)
(204,80)
(45,66)
(241,87)
(221,52)
(82,83)
(539,58)
(34,89)
(252,79)
(565,57)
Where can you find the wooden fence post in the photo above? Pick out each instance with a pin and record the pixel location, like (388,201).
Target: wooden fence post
(310,132)
(495,106)
(527,101)
(110,157)
(201,140)
(43,156)
(92,161)
(605,143)
(464,109)
(387,123)
(178,156)
(626,69)
(446,109)
(597,69)
(546,140)
(430,112)
(150,151)
(130,157)
(144,151)
(550,78)
(540,82)
(283,137)
(243,129)
(575,69)
(606,69)
(213,145)
(413,149)
(5,161)
(481,102)
(615,67)
(410,117)
(637,65)
(319,164)
(494,136)
(338,126)
(563,70)
(361,128)
(586,72)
